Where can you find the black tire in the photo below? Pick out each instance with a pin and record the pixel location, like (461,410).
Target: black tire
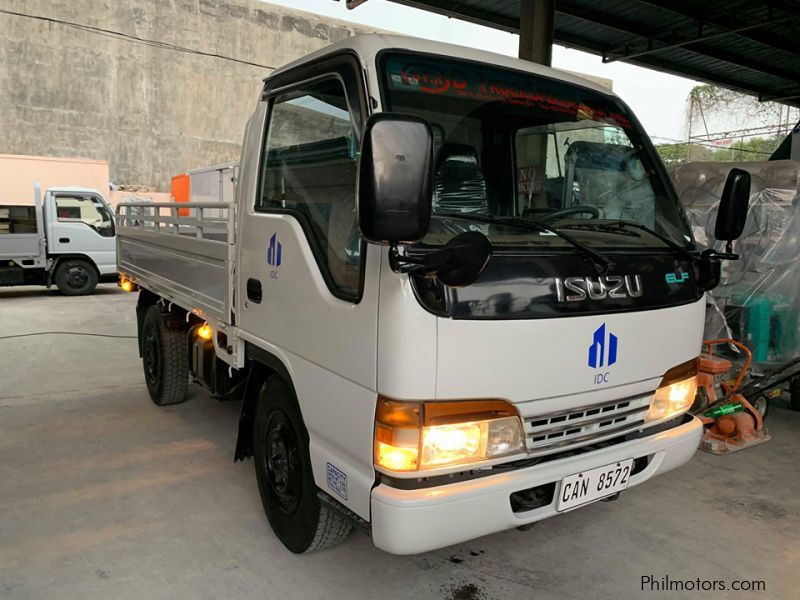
(761,404)
(76,277)
(285,479)
(165,359)
(794,394)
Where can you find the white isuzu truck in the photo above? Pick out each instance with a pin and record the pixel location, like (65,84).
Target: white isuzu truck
(455,294)
(65,238)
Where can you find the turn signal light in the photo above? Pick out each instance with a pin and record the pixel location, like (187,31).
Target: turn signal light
(204,332)
(127,285)
(415,436)
(675,395)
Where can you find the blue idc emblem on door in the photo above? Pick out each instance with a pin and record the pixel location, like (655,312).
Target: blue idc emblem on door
(274,251)
(603,351)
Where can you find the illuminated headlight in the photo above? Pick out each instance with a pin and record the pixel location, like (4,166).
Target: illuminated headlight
(413,436)
(676,393)
(470,442)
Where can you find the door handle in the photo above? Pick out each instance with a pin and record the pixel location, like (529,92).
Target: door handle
(63,240)
(254,290)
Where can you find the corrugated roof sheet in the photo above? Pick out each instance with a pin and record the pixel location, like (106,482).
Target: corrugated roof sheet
(748,45)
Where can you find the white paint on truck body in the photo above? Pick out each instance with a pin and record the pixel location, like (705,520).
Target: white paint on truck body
(342,354)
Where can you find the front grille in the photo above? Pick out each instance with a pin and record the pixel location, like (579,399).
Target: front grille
(577,427)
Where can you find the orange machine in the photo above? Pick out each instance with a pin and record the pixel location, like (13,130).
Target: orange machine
(181,192)
(732,423)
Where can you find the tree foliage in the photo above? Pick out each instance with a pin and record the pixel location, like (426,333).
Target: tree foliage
(755,148)
(753,129)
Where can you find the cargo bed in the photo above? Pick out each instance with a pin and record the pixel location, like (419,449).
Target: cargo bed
(22,234)
(182,251)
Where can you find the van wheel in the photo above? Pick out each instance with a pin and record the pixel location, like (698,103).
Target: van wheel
(165,359)
(284,475)
(76,277)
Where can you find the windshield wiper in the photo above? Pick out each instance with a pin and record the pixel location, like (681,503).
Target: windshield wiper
(619,226)
(601,262)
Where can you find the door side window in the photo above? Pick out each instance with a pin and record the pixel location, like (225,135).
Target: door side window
(87,210)
(309,170)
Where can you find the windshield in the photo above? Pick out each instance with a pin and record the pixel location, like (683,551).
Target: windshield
(508,143)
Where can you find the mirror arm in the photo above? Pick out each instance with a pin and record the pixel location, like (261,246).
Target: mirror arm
(404,264)
(729,254)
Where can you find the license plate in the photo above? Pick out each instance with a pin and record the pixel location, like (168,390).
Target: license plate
(594,484)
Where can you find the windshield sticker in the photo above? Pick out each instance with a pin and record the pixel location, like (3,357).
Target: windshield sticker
(493,86)
(529,179)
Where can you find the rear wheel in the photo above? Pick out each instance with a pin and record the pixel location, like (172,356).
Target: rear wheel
(285,479)
(165,359)
(76,277)
(794,393)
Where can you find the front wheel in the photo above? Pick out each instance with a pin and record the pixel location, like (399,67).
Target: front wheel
(76,277)
(285,479)
(165,359)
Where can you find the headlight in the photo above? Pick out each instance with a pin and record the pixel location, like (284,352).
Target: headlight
(675,394)
(413,436)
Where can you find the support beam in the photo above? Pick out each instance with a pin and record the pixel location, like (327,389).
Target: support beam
(536,19)
(455,9)
(653,61)
(692,10)
(695,41)
(657,42)
(780,96)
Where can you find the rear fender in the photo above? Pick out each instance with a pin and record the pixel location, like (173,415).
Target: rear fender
(146,300)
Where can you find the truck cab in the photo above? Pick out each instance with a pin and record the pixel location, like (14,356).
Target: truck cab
(67,238)
(457,295)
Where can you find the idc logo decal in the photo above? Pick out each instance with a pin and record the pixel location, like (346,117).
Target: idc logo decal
(274,252)
(602,352)
(274,255)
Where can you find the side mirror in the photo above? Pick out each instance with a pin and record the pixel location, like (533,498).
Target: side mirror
(732,212)
(395,179)
(461,260)
(458,263)
(708,270)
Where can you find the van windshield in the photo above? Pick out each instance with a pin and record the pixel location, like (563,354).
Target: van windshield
(509,143)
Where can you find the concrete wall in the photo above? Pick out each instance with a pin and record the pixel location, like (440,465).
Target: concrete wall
(151,112)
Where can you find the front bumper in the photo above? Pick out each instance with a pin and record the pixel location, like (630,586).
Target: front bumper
(412,521)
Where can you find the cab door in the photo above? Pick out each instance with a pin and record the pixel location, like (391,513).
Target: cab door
(82,223)
(307,282)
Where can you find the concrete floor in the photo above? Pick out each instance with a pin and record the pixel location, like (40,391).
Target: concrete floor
(104,495)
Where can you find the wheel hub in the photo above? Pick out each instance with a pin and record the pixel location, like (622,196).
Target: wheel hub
(150,350)
(76,277)
(283,467)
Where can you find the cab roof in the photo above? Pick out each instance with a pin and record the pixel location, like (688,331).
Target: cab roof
(367,47)
(73,189)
